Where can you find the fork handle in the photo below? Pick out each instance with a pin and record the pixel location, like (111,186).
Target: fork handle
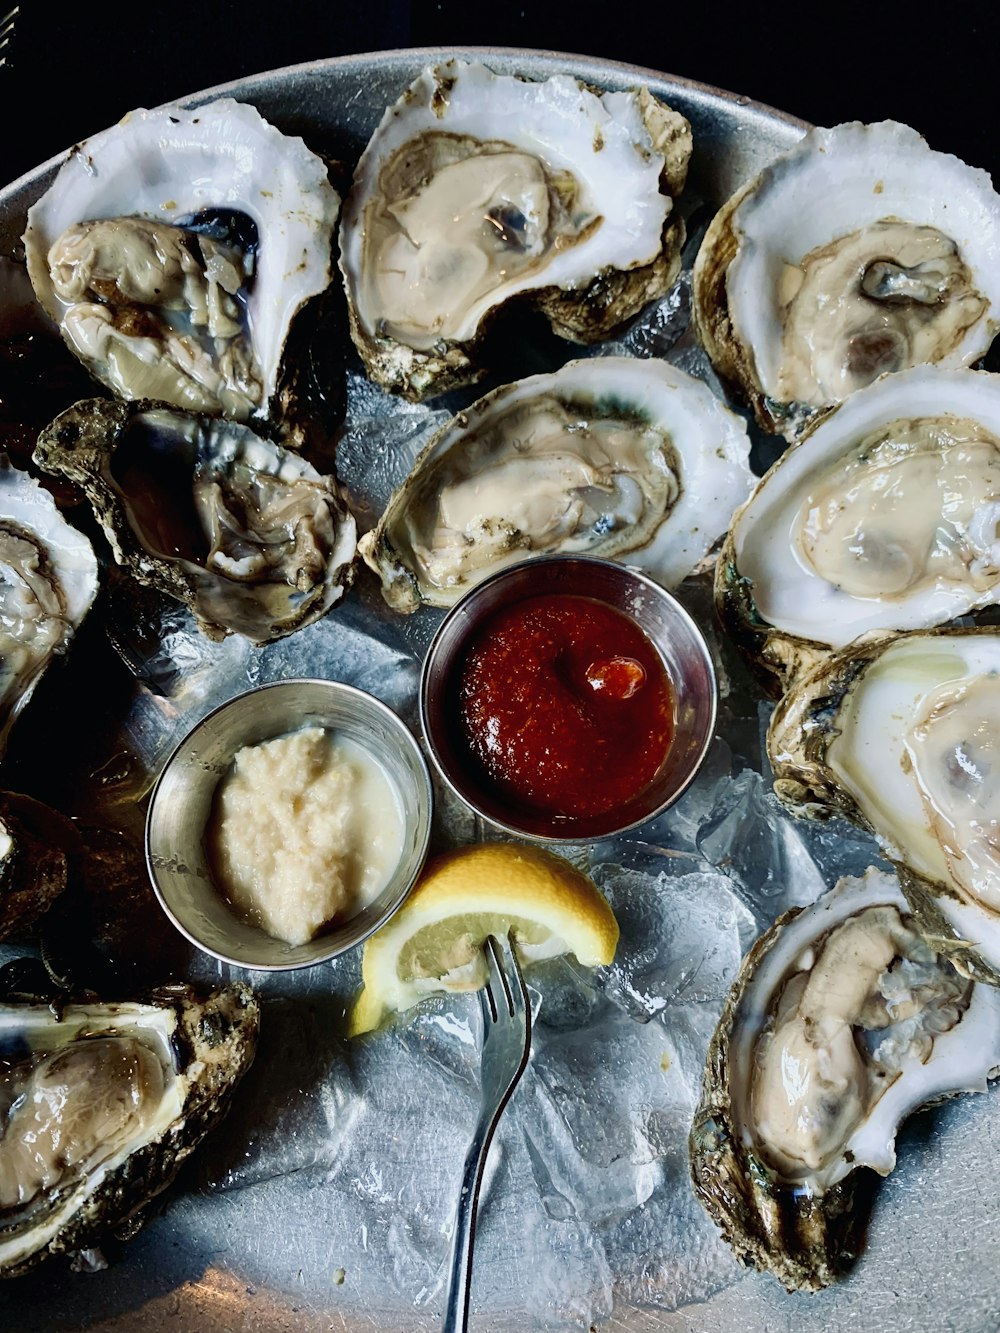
(456,1318)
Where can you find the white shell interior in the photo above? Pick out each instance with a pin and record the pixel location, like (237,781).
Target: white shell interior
(601,139)
(170,163)
(836,181)
(709,443)
(868,757)
(788,592)
(24,502)
(961,1059)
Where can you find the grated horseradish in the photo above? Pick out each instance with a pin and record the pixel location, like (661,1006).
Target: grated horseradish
(308,827)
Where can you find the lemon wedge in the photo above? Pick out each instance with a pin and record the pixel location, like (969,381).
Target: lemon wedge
(434,942)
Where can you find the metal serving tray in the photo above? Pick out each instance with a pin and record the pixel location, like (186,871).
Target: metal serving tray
(268,1230)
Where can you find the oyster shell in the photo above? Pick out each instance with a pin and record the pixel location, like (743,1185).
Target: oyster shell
(175,249)
(249,536)
(477,188)
(107,934)
(48,581)
(36,847)
(883,517)
(901,734)
(860,251)
(102,1103)
(842,1021)
(614,457)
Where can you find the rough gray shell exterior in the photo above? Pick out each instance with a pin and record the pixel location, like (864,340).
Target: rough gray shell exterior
(710,309)
(775,657)
(35,870)
(81,445)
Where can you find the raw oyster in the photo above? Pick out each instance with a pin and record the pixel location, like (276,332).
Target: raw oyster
(100,1104)
(249,536)
(477,188)
(613,457)
(48,581)
(860,251)
(901,735)
(842,1021)
(175,249)
(883,517)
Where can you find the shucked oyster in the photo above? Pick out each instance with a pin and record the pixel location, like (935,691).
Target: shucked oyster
(859,252)
(101,1104)
(883,517)
(902,735)
(842,1021)
(477,188)
(48,580)
(614,457)
(249,536)
(175,249)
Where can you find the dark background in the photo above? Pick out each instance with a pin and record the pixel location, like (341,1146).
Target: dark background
(936,66)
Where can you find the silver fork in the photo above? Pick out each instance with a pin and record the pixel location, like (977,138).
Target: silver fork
(506,1044)
(7,34)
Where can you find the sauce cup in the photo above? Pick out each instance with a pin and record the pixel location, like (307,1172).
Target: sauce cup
(181,811)
(671,631)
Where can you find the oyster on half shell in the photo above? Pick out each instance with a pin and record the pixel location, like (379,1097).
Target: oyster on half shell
(175,249)
(48,581)
(478,188)
(842,1021)
(883,517)
(248,535)
(859,252)
(100,1104)
(626,459)
(902,735)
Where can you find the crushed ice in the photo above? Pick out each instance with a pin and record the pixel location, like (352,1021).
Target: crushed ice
(587,1200)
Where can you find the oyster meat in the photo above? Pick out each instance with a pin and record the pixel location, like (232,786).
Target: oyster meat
(842,1021)
(902,736)
(48,581)
(477,188)
(859,252)
(883,517)
(100,1104)
(175,249)
(615,457)
(248,535)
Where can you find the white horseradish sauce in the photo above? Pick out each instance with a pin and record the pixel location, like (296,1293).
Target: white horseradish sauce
(307,827)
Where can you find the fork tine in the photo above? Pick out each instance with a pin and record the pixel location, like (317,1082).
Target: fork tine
(518,990)
(498,984)
(7,30)
(488,1006)
(513,980)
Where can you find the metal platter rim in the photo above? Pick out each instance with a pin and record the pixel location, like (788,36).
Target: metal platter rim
(534,61)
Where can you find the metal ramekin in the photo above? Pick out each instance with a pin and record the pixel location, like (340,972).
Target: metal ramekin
(673,633)
(181,807)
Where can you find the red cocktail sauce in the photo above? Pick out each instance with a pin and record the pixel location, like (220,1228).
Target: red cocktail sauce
(565,705)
